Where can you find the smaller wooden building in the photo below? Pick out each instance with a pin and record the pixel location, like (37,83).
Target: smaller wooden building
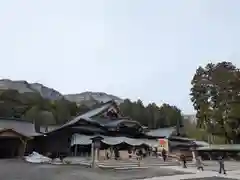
(212,152)
(15,137)
(12,143)
(175,143)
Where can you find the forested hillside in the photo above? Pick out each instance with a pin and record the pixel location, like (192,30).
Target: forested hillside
(33,107)
(152,115)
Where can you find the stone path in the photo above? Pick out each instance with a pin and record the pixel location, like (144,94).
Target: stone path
(20,170)
(146,162)
(9,169)
(231,175)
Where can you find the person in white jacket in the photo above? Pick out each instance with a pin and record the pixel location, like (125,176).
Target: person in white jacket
(199,163)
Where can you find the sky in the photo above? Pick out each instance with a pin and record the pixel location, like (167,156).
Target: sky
(137,49)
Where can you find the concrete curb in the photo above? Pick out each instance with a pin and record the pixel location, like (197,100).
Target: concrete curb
(143,167)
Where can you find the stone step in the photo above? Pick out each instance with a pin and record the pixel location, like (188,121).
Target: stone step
(119,165)
(142,162)
(131,165)
(125,168)
(160,164)
(128,166)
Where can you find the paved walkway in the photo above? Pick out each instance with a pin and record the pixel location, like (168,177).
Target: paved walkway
(235,174)
(20,170)
(133,163)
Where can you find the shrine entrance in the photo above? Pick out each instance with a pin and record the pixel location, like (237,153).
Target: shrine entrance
(12,144)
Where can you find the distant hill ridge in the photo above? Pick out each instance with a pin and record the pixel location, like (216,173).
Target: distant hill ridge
(86,98)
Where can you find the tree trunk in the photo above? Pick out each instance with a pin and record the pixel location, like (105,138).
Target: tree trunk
(227,138)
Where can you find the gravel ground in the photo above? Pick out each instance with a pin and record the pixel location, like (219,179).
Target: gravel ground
(20,170)
(212,178)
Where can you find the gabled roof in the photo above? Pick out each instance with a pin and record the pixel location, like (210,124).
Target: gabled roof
(88,115)
(92,118)
(96,130)
(46,128)
(20,126)
(162,132)
(201,143)
(91,113)
(3,130)
(180,143)
(113,123)
(180,138)
(220,147)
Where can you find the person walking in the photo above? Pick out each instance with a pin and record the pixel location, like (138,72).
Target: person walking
(184,161)
(164,154)
(221,165)
(199,163)
(156,152)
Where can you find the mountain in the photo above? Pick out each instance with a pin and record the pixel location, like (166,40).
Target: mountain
(86,98)
(24,86)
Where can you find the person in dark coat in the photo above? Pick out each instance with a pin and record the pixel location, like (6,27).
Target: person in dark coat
(184,161)
(164,154)
(221,165)
(156,151)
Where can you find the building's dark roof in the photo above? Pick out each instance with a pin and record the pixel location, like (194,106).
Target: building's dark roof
(87,116)
(90,117)
(46,128)
(201,143)
(162,132)
(113,122)
(220,147)
(179,138)
(180,143)
(20,126)
(2,130)
(90,129)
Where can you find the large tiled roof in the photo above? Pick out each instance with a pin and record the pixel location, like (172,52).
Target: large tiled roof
(222,147)
(89,114)
(86,140)
(112,122)
(47,128)
(201,143)
(90,117)
(162,132)
(20,126)
(179,143)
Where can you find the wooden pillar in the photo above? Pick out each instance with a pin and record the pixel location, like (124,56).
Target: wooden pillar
(12,152)
(95,147)
(75,150)
(97,154)
(23,147)
(93,154)
(210,156)
(111,152)
(193,156)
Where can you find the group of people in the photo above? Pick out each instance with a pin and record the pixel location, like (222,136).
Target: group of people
(199,163)
(141,153)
